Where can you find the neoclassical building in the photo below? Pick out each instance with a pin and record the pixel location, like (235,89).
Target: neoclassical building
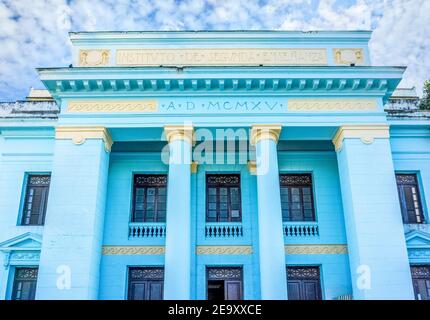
(216,165)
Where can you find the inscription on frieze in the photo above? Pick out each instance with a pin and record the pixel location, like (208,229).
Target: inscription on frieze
(228,56)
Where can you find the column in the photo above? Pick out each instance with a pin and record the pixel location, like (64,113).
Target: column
(177,266)
(376,242)
(271,240)
(72,238)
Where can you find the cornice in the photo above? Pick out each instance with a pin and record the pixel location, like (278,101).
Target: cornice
(366,133)
(79,134)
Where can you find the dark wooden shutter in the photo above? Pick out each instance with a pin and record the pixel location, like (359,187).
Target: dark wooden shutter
(233,290)
(36,199)
(149,198)
(297,199)
(24,286)
(409,196)
(304,283)
(421,281)
(145,283)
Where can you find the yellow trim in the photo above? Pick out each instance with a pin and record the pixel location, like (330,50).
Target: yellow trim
(132,106)
(264,132)
(252,167)
(317,249)
(179,132)
(224,250)
(366,133)
(332,104)
(93,57)
(194,165)
(132,250)
(356,56)
(79,134)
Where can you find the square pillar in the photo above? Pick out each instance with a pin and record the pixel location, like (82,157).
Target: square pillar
(377,248)
(177,266)
(270,237)
(72,238)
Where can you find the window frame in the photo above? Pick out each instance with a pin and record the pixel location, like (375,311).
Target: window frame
(155,185)
(130,280)
(402,199)
(218,186)
(298,185)
(43,202)
(15,282)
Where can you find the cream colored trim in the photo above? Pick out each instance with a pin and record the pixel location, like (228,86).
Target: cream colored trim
(332,104)
(79,134)
(317,249)
(252,167)
(133,250)
(265,131)
(179,133)
(366,133)
(107,106)
(194,165)
(348,56)
(224,250)
(93,57)
(221,56)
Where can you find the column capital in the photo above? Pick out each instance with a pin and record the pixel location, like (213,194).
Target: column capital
(264,132)
(79,134)
(366,133)
(179,132)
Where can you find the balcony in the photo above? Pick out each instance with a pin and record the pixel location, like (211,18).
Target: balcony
(146,230)
(300,229)
(221,230)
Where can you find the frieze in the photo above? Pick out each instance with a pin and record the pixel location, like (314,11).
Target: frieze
(332,104)
(317,249)
(133,250)
(112,106)
(225,56)
(224,250)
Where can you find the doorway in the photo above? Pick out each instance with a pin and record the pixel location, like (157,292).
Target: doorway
(224,283)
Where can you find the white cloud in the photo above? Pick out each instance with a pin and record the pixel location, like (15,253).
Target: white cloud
(36,36)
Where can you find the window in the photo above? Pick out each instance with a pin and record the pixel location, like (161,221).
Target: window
(223,202)
(224,283)
(36,199)
(150,196)
(304,283)
(145,283)
(24,284)
(297,197)
(409,196)
(421,282)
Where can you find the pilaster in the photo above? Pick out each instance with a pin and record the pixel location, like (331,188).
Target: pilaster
(377,248)
(72,239)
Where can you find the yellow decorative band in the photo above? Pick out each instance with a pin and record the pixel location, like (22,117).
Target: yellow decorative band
(221,56)
(131,106)
(366,133)
(265,132)
(133,250)
(79,134)
(230,250)
(179,133)
(252,167)
(332,104)
(317,249)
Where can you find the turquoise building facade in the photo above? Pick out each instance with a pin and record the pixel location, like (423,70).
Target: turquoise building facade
(216,165)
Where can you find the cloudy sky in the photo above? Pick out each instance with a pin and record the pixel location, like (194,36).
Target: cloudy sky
(33,33)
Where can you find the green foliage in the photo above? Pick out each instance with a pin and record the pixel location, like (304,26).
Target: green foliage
(425,100)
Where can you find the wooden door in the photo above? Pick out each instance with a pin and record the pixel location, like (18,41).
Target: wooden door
(304,283)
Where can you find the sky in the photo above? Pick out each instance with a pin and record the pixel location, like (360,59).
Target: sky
(34,33)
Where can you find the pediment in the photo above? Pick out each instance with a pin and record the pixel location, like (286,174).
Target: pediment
(417,239)
(26,241)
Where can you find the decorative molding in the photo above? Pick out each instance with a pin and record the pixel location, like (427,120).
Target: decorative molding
(332,104)
(252,167)
(224,56)
(264,132)
(133,250)
(366,133)
(348,56)
(194,166)
(317,249)
(132,106)
(180,132)
(79,134)
(228,250)
(94,58)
